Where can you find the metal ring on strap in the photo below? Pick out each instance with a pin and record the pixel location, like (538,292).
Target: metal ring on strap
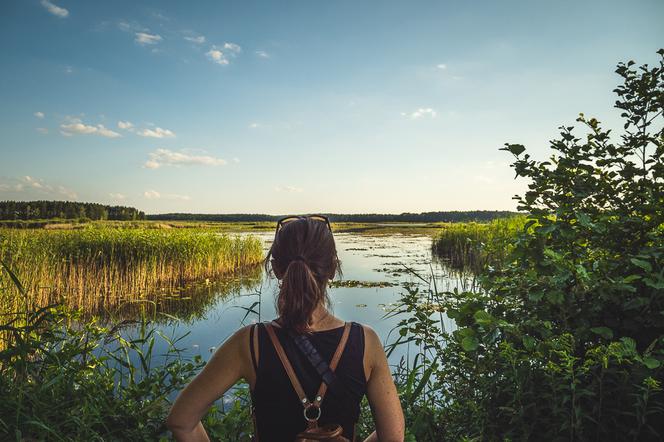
(309,419)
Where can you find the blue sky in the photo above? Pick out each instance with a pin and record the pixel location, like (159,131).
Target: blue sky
(300,106)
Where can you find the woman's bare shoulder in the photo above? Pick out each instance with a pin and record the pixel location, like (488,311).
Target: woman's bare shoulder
(373,349)
(370,335)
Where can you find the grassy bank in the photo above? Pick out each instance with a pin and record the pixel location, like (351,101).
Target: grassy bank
(473,246)
(373,228)
(106,266)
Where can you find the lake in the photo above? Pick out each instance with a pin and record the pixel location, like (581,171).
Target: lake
(365,258)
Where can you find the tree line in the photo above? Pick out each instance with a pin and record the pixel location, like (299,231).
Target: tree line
(28,210)
(424,217)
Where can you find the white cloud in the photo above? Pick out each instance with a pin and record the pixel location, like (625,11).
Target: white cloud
(262,54)
(157,132)
(143,38)
(151,194)
(154,195)
(39,115)
(36,186)
(77,127)
(165,157)
(219,56)
(54,9)
(42,130)
(117,196)
(199,40)
(441,66)
(254,125)
(236,160)
(233,47)
(124,26)
(126,125)
(287,189)
(421,112)
(216,56)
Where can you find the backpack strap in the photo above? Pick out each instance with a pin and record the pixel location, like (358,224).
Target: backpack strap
(334,362)
(293,378)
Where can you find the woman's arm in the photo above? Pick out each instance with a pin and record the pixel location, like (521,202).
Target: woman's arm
(225,368)
(381,392)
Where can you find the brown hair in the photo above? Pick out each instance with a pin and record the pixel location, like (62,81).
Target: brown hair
(304,257)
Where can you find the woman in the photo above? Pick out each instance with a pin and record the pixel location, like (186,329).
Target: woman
(303,257)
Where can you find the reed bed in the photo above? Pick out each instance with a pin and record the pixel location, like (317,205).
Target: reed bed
(472,246)
(102,267)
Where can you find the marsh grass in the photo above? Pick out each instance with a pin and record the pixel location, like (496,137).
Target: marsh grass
(102,268)
(472,246)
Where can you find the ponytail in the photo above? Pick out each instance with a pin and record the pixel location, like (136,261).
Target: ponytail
(299,296)
(303,257)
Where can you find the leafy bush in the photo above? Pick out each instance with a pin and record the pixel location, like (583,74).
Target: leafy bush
(474,246)
(65,377)
(565,338)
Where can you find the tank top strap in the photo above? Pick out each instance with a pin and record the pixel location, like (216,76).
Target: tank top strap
(252,350)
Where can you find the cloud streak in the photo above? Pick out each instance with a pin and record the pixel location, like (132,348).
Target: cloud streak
(54,9)
(29,184)
(421,112)
(157,132)
(77,127)
(144,38)
(199,40)
(165,157)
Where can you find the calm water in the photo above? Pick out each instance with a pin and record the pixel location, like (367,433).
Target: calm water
(373,258)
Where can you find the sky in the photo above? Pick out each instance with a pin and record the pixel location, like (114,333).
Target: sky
(301,106)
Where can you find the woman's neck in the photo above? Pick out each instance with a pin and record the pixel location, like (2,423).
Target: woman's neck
(322,319)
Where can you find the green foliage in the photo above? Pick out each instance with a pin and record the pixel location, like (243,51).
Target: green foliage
(474,246)
(28,210)
(58,383)
(102,268)
(564,339)
(63,377)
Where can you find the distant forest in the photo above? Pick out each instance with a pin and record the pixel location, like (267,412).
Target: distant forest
(42,210)
(424,217)
(28,210)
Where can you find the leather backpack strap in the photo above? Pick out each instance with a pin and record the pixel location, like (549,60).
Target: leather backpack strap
(320,395)
(333,363)
(287,365)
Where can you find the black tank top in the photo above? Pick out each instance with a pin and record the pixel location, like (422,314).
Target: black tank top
(277,407)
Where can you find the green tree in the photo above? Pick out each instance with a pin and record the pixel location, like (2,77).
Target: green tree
(565,339)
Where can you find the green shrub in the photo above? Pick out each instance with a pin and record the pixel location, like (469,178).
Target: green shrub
(474,246)
(564,340)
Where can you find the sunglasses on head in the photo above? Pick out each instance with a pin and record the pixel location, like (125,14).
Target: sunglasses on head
(287,219)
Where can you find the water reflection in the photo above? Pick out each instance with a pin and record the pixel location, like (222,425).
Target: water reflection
(188,305)
(211,315)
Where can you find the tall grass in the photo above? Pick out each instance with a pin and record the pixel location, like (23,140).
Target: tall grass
(472,246)
(102,267)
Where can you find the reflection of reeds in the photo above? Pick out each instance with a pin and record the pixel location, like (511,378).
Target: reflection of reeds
(472,246)
(189,304)
(95,269)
